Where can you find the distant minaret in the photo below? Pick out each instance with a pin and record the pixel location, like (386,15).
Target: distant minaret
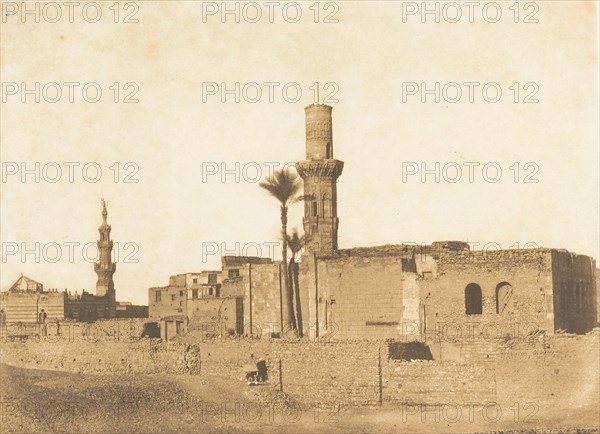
(105,268)
(320,172)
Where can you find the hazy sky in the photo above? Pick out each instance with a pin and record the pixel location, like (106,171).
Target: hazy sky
(178,208)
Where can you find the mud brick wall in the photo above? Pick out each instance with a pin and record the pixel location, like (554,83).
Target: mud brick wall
(429,382)
(142,356)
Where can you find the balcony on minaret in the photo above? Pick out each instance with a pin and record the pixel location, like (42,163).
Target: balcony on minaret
(320,172)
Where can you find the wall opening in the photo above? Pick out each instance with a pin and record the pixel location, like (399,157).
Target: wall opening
(504,292)
(473,302)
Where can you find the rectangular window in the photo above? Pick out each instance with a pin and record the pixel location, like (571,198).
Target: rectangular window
(181,293)
(209,291)
(212,279)
(194,294)
(195,280)
(234,273)
(157,296)
(173,297)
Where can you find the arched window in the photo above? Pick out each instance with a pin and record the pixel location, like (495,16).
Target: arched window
(473,304)
(503,296)
(314,210)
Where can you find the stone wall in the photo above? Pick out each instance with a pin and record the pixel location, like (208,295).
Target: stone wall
(433,382)
(264,295)
(575,291)
(525,275)
(543,370)
(215,316)
(315,373)
(366,297)
(170,301)
(139,356)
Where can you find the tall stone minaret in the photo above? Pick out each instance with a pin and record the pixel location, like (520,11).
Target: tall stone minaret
(105,268)
(320,172)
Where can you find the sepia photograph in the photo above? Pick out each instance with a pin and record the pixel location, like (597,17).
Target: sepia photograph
(301,216)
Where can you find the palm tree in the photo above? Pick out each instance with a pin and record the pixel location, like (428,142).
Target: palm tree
(284,186)
(295,243)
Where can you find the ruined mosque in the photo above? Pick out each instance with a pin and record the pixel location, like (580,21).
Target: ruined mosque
(383,292)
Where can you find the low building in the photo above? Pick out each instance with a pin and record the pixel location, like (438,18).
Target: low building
(238,299)
(26,301)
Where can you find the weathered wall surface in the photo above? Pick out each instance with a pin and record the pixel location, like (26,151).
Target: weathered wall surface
(366,297)
(526,273)
(171,301)
(264,292)
(140,356)
(542,371)
(214,316)
(575,291)
(316,373)
(70,330)
(432,382)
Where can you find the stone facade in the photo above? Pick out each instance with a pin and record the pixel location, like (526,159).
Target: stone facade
(391,291)
(244,297)
(399,290)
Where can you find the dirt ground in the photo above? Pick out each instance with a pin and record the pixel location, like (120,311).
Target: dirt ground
(37,401)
